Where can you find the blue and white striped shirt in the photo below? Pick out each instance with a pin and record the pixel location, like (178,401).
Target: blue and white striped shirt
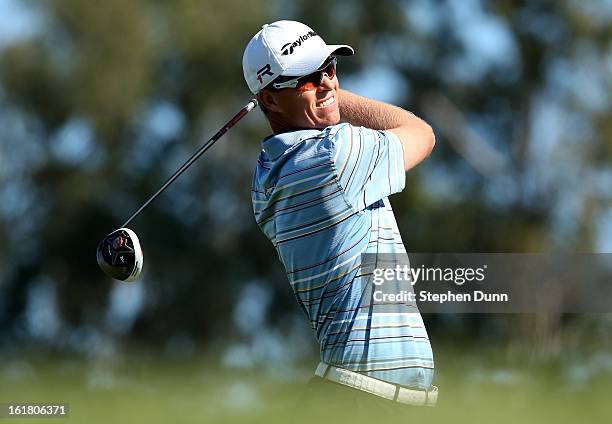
(320,196)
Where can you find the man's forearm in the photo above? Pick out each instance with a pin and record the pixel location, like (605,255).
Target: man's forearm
(361,111)
(417,136)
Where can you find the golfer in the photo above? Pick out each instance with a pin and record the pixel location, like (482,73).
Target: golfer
(320,194)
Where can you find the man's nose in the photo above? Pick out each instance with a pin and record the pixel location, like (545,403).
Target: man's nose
(327,83)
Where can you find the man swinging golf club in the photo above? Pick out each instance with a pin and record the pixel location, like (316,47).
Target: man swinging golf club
(320,195)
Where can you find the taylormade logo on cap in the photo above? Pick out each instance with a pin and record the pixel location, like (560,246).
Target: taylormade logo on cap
(287,48)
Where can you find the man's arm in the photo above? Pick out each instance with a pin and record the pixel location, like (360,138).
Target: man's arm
(416,135)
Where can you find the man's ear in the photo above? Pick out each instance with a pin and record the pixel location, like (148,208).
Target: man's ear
(268,100)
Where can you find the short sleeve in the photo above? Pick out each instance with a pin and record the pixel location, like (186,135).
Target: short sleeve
(369,164)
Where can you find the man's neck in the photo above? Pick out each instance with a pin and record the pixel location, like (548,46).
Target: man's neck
(279,125)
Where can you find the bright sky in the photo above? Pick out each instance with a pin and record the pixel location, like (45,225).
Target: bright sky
(17,21)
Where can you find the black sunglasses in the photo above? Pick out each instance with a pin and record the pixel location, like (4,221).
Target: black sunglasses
(310,81)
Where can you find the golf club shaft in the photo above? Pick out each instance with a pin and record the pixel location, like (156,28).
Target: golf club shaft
(246,109)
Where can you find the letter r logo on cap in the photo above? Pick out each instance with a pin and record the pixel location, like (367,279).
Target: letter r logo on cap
(264,71)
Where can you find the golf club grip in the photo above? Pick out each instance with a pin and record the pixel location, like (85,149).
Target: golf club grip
(246,109)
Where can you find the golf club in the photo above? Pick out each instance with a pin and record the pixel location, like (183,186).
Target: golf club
(119,254)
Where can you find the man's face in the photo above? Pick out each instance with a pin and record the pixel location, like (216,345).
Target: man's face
(316,108)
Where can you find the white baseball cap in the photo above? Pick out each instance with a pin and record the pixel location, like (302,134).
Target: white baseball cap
(287,48)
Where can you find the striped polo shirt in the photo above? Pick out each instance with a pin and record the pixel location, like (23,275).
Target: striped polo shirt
(320,196)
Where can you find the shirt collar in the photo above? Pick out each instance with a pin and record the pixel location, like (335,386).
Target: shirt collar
(277,144)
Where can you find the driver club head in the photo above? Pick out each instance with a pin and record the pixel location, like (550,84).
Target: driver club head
(120,255)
